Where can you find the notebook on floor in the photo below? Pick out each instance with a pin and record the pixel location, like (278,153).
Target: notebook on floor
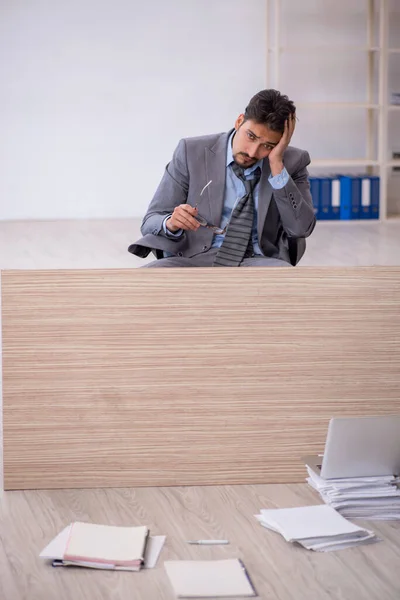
(209,578)
(104,547)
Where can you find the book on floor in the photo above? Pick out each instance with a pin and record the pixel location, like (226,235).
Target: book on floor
(104,547)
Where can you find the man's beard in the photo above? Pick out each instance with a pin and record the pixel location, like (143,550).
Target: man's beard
(242,155)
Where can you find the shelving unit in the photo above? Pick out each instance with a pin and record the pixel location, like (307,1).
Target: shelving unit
(377,20)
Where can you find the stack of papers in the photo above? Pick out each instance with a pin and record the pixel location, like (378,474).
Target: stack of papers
(209,578)
(367,498)
(104,547)
(318,528)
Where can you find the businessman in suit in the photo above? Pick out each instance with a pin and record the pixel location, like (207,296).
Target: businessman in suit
(240,198)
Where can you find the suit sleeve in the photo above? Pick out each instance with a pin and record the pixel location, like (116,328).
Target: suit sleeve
(294,202)
(171,192)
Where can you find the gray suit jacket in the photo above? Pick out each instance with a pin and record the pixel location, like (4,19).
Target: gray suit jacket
(285,216)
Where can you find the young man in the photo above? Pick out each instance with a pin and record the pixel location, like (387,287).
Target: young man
(240,198)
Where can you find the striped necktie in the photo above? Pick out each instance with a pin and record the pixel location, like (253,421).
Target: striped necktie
(238,235)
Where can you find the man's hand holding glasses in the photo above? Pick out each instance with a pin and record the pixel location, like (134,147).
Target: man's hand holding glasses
(187,217)
(183,217)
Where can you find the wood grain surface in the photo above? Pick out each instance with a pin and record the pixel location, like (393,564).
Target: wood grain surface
(142,377)
(279,570)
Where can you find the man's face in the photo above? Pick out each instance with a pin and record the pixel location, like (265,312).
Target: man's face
(252,142)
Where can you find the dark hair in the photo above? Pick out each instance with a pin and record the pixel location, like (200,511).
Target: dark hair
(271,108)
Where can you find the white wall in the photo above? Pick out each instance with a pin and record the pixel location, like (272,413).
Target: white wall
(95,94)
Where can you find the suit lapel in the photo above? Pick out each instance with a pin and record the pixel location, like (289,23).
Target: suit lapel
(215,162)
(264,197)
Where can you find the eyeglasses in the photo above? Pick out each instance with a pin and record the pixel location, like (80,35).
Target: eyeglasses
(203,222)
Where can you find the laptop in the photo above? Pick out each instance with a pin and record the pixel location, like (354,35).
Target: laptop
(359,447)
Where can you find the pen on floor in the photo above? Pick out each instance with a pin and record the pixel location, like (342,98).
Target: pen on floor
(211,542)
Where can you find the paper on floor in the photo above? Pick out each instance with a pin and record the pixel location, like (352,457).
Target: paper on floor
(367,498)
(209,578)
(318,527)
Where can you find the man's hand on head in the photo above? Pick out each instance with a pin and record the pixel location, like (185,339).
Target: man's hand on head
(276,155)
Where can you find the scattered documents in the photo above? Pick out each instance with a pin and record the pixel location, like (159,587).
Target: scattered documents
(369,498)
(318,528)
(209,578)
(104,547)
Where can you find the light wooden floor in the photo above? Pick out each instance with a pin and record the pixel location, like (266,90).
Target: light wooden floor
(28,520)
(279,570)
(103,244)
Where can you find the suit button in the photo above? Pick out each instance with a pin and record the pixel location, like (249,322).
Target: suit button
(180,254)
(205,247)
(294,205)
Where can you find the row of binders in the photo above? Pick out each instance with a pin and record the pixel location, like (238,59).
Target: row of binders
(345,197)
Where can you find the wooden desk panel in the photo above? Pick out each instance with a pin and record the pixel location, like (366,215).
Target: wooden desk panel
(189,376)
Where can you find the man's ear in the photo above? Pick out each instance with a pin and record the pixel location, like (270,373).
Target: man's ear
(239,121)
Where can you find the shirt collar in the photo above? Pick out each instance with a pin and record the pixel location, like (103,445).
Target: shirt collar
(229,157)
